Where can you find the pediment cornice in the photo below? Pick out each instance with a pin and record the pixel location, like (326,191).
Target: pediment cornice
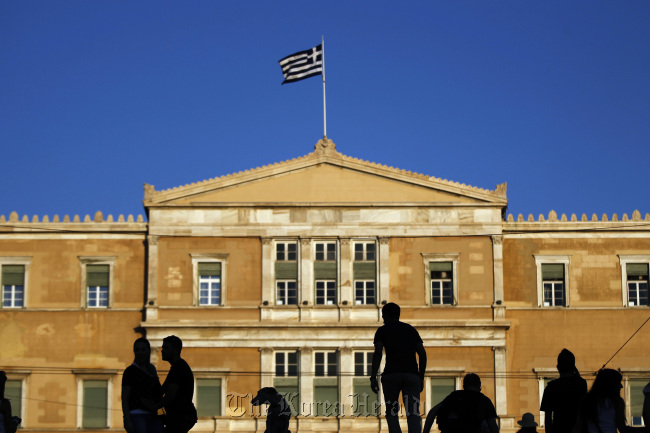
(324,153)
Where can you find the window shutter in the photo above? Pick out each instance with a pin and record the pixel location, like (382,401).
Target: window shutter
(95,403)
(13,275)
(209,269)
(364,270)
(97,275)
(552,271)
(208,397)
(440,266)
(637,269)
(286,270)
(325,271)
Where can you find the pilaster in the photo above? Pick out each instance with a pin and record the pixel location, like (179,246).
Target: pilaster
(152,278)
(306,381)
(345,277)
(498,311)
(306,282)
(500,394)
(268,283)
(266,365)
(346,379)
(383,283)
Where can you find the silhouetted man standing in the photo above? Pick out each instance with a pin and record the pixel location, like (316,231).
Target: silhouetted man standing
(401,342)
(178,389)
(562,396)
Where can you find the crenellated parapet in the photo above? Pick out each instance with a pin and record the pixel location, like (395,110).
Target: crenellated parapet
(553,222)
(97,222)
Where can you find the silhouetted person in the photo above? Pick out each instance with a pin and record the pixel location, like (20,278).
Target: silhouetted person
(8,423)
(563,396)
(527,423)
(178,389)
(467,410)
(279,412)
(401,342)
(141,392)
(603,409)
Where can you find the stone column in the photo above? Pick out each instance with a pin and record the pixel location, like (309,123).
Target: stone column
(383,283)
(498,311)
(306,381)
(151,309)
(500,394)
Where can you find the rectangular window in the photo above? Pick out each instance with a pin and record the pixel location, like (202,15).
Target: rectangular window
(326,364)
(442,286)
(286,293)
(364,400)
(636,401)
(286,251)
(326,401)
(97,282)
(364,293)
(441,387)
(364,251)
(325,251)
(286,378)
(553,284)
(95,404)
(325,292)
(209,283)
(637,284)
(13,286)
(208,397)
(14,392)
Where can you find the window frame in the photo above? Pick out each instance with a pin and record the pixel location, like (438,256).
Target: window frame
(624,260)
(103,375)
(328,302)
(456,375)
(220,374)
(629,375)
(325,252)
(287,291)
(365,292)
(21,261)
(454,258)
(286,243)
(197,258)
(364,252)
(21,376)
(541,260)
(84,261)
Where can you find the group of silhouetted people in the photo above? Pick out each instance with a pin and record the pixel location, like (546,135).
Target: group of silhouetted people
(150,407)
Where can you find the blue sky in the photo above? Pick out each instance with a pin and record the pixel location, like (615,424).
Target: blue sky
(99,97)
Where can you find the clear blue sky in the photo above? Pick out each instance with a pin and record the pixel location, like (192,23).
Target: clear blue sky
(99,97)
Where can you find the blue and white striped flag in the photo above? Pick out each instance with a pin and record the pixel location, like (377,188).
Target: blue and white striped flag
(303,64)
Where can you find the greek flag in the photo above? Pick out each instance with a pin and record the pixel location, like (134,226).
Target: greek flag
(303,64)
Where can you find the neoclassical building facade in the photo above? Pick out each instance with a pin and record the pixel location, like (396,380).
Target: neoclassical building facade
(276,277)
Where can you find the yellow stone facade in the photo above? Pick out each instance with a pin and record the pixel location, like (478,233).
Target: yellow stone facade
(60,349)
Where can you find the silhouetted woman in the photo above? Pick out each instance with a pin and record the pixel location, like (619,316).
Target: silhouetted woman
(8,423)
(141,392)
(603,409)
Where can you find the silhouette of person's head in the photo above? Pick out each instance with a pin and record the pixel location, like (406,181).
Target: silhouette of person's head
(142,351)
(3,381)
(566,362)
(471,382)
(390,312)
(171,348)
(268,395)
(608,383)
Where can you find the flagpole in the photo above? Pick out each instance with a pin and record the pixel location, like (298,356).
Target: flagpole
(324,106)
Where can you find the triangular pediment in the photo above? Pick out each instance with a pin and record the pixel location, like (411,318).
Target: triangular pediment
(325,177)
